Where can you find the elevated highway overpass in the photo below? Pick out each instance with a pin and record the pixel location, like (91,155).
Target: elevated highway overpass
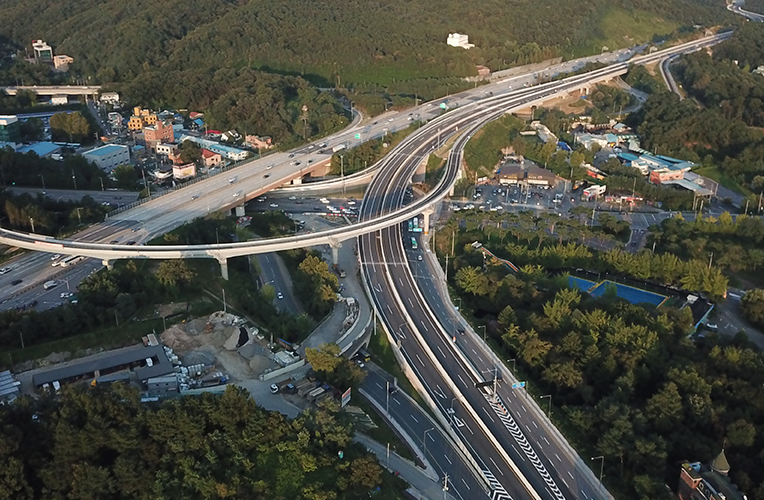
(51,90)
(239,185)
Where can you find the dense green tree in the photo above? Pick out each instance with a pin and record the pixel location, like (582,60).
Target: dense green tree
(752,305)
(69,127)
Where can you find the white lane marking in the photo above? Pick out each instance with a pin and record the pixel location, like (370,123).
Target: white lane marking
(465,484)
(412,304)
(390,309)
(558,457)
(584,494)
(489,415)
(571,475)
(544,438)
(534,424)
(449,461)
(431,438)
(415,420)
(497,467)
(527,427)
(396,401)
(526,411)
(473,350)
(424,326)
(420,359)
(441,351)
(460,378)
(400,281)
(518,453)
(378,385)
(566,483)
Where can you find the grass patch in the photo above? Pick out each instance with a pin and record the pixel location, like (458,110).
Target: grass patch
(384,433)
(109,338)
(715,174)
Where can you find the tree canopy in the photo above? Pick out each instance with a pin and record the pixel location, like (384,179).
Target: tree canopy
(94,443)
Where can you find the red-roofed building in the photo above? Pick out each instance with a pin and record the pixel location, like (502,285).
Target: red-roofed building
(210,158)
(194,115)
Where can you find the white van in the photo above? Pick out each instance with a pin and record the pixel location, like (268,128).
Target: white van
(50,284)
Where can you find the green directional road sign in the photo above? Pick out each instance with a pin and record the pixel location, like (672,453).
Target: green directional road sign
(358,136)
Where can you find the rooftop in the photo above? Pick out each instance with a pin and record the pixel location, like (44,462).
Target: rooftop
(106,150)
(113,360)
(40,148)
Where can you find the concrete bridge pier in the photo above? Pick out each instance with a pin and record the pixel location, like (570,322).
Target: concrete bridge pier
(336,245)
(427,212)
(223,267)
(109,264)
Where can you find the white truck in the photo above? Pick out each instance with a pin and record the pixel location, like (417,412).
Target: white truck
(338,147)
(50,284)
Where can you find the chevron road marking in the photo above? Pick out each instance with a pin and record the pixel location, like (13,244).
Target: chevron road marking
(498,491)
(514,429)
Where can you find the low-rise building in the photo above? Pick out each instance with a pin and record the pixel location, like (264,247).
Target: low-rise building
(109,98)
(211,159)
(41,149)
(661,175)
(158,133)
(184,172)
(593,191)
(43,53)
(141,118)
(459,40)
(59,100)
(107,158)
(525,174)
(258,142)
(227,152)
(701,482)
(10,129)
(61,63)
(166,149)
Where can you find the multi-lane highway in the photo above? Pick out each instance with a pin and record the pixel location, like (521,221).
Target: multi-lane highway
(503,434)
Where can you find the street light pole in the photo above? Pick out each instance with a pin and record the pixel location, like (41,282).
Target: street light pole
(43,182)
(387,399)
(484,334)
(452,410)
(602,464)
(513,364)
(549,408)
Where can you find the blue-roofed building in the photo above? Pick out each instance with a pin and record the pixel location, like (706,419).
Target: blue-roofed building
(228,152)
(108,157)
(562,145)
(199,122)
(41,149)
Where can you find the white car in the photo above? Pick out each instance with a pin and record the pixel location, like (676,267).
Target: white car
(274,205)
(5,270)
(269,167)
(359,363)
(231,180)
(280,295)
(55,257)
(274,389)
(292,197)
(325,201)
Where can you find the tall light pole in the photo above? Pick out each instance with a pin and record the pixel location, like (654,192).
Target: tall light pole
(424,441)
(602,464)
(549,408)
(513,364)
(453,414)
(43,182)
(484,334)
(387,398)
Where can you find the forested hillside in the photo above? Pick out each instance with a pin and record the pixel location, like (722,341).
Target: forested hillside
(381,41)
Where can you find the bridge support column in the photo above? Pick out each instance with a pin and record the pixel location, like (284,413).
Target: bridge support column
(427,213)
(240,211)
(223,267)
(336,245)
(109,264)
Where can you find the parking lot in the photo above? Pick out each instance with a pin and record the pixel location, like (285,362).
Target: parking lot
(495,198)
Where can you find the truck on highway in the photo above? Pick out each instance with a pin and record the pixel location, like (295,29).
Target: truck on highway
(50,284)
(338,147)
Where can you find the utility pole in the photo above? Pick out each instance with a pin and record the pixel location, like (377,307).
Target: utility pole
(496,383)
(225,306)
(387,398)
(74,179)
(31,222)
(549,408)
(445,486)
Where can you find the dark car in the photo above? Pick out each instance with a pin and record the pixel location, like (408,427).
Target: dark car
(131,242)
(461,331)
(16,282)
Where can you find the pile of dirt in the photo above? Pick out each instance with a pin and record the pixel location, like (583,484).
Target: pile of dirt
(196,326)
(198,358)
(258,364)
(177,339)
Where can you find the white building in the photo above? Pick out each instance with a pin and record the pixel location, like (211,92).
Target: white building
(42,51)
(109,157)
(59,100)
(110,98)
(459,40)
(166,148)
